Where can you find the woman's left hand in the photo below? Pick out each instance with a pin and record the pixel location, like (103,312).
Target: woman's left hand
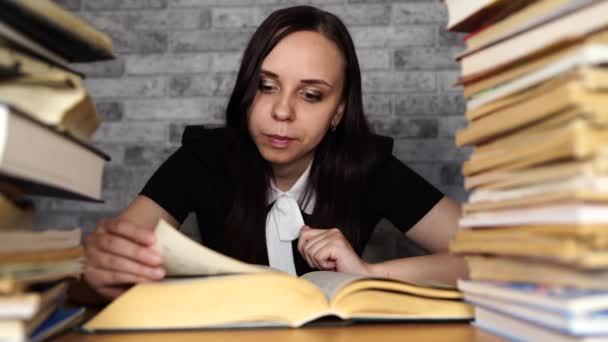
(328,249)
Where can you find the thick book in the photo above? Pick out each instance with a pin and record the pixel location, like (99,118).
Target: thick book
(591,78)
(39,241)
(516,21)
(586,58)
(535,270)
(238,295)
(45,256)
(56,164)
(575,95)
(579,302)
(522,330)
(582,325)
(60,319)
(57,29)
(56,98)
(595,234)
(596,167)
(480,83)
(578,140)
(25,306)
(561,214)
(572,25)
(471,15)
(564,322)
(590,252)
(574,189)
(21,278)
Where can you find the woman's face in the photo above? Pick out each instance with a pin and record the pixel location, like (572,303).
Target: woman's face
(298,98)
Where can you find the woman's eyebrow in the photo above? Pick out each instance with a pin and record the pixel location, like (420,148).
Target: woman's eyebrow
(308,81)
(315,81)
(269,74)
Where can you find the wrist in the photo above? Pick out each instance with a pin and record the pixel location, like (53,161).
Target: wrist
(370,269)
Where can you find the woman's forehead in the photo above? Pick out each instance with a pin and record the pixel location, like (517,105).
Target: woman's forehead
(305,55)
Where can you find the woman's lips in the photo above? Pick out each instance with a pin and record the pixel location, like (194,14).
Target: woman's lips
(278,141)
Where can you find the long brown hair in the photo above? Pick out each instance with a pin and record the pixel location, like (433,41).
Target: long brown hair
(343,159)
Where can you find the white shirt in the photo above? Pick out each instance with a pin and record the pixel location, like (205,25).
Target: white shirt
(284,221)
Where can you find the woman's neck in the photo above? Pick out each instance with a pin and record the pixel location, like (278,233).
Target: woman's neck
(285,176)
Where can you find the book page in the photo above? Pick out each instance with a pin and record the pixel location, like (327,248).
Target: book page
(30,241)
(330,282)
(182,256)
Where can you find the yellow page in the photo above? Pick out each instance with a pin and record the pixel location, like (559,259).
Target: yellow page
(182,256)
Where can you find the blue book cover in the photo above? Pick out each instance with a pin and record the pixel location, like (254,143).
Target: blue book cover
(60,319)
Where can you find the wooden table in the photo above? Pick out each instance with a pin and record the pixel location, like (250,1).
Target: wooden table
(452,332)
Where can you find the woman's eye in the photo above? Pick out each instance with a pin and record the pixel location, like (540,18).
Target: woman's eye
(266,87)
(312,96)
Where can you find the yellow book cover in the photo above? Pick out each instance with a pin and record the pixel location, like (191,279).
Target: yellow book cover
(235,294)
(578,140)
(568,250)
(57,29)
(568,94)
(596,167)
(595,235)
(535,270)
(575,52)
(513,22)
(57,99)
(572,189)
(573,22)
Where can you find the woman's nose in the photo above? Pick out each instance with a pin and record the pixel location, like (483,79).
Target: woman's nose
(283,108)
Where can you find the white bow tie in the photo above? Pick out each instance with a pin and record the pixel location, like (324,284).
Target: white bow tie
(284,222)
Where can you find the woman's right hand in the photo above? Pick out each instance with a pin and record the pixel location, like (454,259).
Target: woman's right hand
(119,254)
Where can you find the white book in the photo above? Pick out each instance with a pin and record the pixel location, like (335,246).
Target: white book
(597,185)
(575,24)
(44,161)
(586,56)
(555,214)
(584,325)
(554,298)
(35,241)
(517,329)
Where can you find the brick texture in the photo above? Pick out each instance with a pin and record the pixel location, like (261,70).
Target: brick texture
(177,61)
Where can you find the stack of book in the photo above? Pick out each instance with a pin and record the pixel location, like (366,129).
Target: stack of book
(46,122)
(535,226)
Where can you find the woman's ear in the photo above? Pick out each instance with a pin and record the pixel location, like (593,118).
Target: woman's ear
(335,120)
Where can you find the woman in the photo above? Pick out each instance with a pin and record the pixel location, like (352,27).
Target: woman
(295,179)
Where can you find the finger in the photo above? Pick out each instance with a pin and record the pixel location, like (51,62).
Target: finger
(309,260)
(118,245)
(312,250)
(100,277)
(130,231)
(319,236)
(325,257)
(118,263)
(307,233)
(322,235)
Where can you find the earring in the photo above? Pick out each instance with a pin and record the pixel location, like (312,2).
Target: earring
(333,128)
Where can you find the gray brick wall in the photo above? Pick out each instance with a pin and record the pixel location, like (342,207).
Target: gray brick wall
(177,61)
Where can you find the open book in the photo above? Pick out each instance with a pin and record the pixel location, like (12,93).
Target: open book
(235,294)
